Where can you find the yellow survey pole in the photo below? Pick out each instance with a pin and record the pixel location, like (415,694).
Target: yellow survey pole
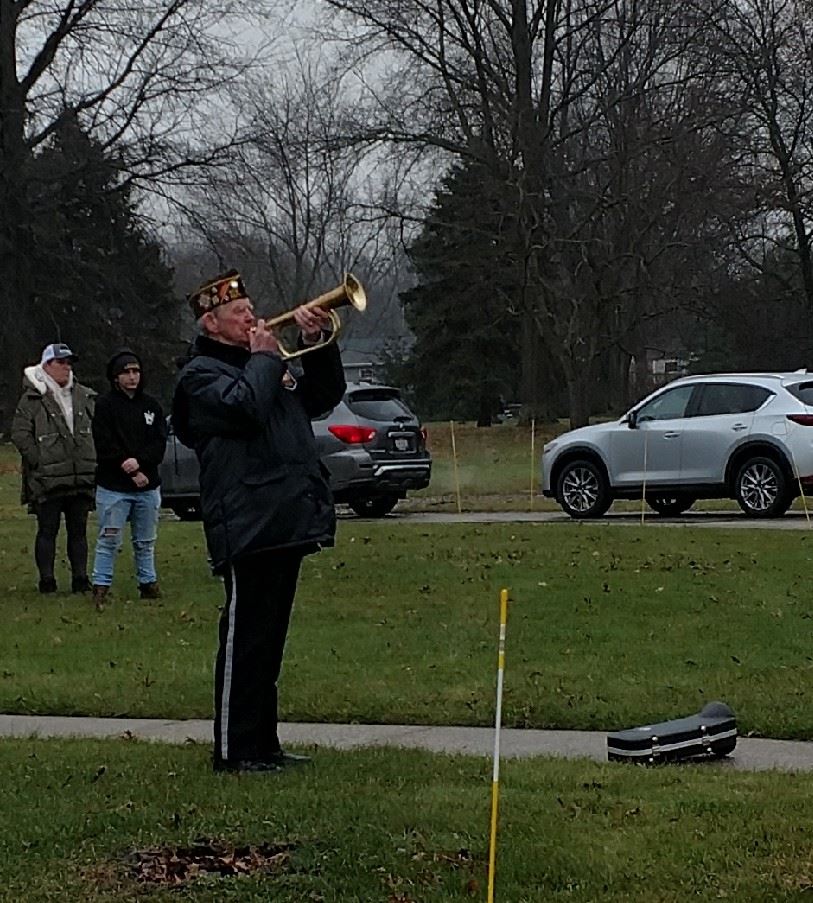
(643,487)
(801,487)
(495,779)
(456,475)
(533,462)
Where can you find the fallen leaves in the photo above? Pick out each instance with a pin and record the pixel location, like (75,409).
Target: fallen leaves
(177,865)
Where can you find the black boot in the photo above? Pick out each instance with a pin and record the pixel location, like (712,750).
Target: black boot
(289,760)
(149,590)
(47,585)
(247,766)
(80,585)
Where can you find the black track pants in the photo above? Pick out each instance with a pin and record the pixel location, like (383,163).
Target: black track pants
(49,512)
(260,592)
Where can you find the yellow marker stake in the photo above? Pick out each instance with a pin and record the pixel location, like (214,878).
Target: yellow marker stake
(533,462)
(454,460)
(495,780)
(643,488)
(801,488)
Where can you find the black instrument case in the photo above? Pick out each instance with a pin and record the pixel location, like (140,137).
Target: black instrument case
(710,734)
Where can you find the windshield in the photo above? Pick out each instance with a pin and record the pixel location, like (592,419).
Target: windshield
(378,404)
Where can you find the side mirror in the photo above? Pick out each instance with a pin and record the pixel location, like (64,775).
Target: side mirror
(632,419)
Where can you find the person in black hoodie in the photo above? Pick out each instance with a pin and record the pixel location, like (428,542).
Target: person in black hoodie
(130,435)
(264,497)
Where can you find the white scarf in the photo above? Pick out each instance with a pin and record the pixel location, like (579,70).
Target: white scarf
(63,396)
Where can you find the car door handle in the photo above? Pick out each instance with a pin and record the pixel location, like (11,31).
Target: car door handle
(739,427)
(671,435)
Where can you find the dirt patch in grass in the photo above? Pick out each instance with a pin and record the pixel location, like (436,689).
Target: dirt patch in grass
(177,865)
(794,874)
(180,866)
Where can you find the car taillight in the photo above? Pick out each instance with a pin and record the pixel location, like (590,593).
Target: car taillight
(423,434)
(353,435)
(801,419)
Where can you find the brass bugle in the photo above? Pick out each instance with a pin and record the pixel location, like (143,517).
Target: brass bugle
(349,294)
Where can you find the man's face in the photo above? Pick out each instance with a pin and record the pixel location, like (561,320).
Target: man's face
(59,371)
(129,378)
(231,323)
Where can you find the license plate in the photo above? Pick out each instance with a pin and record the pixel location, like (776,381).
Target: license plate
(402,444)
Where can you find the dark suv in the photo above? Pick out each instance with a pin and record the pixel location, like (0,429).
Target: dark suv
(371,443)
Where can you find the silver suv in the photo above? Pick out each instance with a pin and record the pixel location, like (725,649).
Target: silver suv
(371,443)
(747,436)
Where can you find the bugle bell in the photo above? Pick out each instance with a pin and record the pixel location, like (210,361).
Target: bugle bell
(349,294)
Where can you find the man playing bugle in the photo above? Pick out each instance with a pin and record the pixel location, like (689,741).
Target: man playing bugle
(264,497)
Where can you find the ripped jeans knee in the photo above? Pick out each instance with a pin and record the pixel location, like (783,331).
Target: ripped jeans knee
(114,511)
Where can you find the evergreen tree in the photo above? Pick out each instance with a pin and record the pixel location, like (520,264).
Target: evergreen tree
(99,280)
(464,358)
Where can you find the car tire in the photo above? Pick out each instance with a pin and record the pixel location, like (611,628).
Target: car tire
(374,505)
(583,490)
(761,488)
(188,511)
(669,505)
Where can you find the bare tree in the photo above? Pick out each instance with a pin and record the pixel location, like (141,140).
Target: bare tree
(137,76)
(763,48)
(300,205)
(577,107)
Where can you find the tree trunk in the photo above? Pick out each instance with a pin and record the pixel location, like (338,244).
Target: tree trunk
(15,239)
(578,399)
(484,418)
(613,395)
(640,382)
(532,380)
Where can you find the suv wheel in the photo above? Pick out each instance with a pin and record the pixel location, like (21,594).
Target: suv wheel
(374,505)
(761,488)
(669,505)
(583,490)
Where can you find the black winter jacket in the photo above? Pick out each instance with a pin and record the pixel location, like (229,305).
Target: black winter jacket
(262,484)
(125,427)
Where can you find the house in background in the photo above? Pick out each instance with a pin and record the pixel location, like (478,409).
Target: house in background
(665,369)
(361,364)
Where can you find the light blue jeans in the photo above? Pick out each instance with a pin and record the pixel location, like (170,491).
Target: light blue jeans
(113,510)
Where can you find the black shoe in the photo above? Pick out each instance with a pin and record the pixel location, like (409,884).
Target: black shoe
(80,585)
(149,590)
(246,766)
(289,760)
(47,585)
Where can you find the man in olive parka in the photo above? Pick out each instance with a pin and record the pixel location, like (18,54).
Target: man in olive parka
(52,432)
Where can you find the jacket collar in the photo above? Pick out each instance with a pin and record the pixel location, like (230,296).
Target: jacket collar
(233,355)
(35,377)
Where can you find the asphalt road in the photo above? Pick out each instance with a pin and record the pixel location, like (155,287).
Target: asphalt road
(793,520)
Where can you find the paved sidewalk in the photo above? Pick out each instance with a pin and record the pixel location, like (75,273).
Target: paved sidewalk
(751,754)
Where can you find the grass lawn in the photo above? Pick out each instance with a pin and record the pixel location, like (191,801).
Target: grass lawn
(398,623)
(495,467)
(398,827)
(607,628)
